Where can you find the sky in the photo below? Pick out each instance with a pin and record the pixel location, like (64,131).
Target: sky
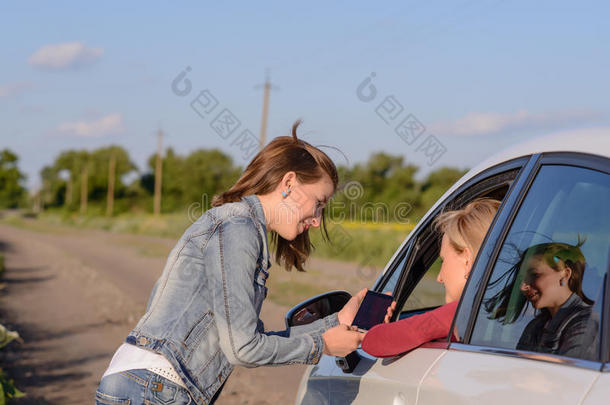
(441,83)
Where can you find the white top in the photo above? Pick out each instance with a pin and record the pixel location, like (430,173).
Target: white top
(130,357)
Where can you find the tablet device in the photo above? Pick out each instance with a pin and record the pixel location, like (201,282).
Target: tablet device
(372,310)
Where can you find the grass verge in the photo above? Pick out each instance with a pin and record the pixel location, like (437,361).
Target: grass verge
(365,244)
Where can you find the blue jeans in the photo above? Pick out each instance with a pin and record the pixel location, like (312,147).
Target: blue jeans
(134,387)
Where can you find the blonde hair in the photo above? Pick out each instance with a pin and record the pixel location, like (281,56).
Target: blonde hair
(466,227)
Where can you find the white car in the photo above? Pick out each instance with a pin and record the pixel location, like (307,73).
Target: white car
(555,188)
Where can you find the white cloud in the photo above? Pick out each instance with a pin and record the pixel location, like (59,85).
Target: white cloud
(478,123)
(69,55)
(109,124)
(12,89)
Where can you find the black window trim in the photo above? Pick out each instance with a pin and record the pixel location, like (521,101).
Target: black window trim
(510,207)
(383,279)
(605,339)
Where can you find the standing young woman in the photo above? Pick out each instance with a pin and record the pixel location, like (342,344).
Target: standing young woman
(202,317)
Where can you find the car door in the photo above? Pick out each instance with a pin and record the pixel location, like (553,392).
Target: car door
(600,392)
(558,199)
(411,276)
(373,380)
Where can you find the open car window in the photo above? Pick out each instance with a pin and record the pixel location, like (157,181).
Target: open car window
(416,288)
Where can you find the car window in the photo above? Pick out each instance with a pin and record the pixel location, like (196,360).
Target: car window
(428,292)
(415,274)
(545,292)
(412,275)
(419,284)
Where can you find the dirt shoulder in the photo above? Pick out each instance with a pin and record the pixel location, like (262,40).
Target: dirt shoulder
(69,317)
(75,294)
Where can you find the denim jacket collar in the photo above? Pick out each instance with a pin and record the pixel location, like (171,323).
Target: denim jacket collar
(257,209)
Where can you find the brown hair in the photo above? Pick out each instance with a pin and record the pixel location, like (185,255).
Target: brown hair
(558,256)
(265,172)
(509,303)
(466,228)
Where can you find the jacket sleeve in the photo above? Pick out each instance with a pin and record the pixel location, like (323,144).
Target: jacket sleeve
(392,339)
(241,340)
(320,326)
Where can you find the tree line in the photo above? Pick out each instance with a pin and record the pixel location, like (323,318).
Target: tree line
(384,187)
(12,192)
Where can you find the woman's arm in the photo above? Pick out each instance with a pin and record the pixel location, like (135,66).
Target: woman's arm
(235,314)
(392,339)
(345,316)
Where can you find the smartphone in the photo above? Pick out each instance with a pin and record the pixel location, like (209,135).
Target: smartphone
(372,310)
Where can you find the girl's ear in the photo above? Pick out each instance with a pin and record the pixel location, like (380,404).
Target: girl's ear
(288,180)
(567,273)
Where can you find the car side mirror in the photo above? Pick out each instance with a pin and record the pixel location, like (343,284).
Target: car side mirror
(316,308)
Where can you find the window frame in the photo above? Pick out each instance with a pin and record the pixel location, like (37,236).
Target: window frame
(482,268)
(479,184)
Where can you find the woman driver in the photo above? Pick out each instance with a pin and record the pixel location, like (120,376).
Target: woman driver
(463,232)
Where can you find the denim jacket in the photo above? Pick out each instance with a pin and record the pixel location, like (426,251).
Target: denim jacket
(203,313)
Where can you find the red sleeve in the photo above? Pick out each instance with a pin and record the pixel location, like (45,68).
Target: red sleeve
(392,339)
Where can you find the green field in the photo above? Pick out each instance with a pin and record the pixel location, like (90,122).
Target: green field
(366,247)
(370,244)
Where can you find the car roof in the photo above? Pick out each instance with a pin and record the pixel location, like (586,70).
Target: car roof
(594,141)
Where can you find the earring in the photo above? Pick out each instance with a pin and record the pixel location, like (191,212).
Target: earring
(285,194)
(561,282)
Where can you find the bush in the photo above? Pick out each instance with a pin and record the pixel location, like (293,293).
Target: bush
(7,386)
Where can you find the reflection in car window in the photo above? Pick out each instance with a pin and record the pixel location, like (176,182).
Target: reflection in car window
(545,291)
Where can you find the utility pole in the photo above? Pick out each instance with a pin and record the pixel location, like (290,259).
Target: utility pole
(267,89)
(37,201)
(68,199)
(158,175)
(111,174)
(84,177)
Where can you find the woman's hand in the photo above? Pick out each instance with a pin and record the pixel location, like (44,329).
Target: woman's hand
(341,340)
(347,314)
(349,310)
(390,311)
